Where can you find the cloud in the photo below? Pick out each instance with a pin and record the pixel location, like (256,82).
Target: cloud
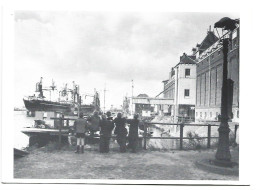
(117,47)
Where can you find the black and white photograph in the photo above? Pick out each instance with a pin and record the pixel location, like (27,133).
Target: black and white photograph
(120,95)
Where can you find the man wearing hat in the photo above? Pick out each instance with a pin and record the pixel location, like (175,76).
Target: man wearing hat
(107,126)
(133,133)
(120,131)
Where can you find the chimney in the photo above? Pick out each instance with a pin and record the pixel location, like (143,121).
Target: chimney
(193,51)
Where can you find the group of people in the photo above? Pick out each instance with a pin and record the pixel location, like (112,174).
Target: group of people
(106,124)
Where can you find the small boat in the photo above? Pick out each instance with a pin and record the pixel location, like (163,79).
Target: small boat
(42,136)
(33,131)
(20,153)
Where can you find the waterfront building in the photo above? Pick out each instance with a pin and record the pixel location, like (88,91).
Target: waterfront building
(209,58)
(181,87)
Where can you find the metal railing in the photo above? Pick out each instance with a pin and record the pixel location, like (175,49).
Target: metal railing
(146,136)
(181,137)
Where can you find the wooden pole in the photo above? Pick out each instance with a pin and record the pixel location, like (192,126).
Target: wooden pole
(209,136)
(60,126)
(181,136)
(145,133)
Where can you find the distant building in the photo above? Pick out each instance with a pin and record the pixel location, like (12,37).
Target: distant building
(143,109)
(209,57)
(145,105)
(181,87)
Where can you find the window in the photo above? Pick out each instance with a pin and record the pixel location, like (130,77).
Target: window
(210,114)
(186,92)
(196,114)
(205,114)
(187,72)
(218,52)
(200,114)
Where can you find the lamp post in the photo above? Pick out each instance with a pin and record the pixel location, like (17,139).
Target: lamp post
(223,156)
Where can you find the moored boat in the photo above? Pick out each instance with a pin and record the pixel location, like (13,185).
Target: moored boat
(63,104)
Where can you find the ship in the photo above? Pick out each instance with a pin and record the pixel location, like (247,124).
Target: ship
(69,101)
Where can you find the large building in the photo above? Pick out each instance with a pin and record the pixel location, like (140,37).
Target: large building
(209,57)
(181,87)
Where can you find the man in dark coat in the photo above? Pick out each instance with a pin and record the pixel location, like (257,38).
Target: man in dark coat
(94,122)
(133,132)
(107,126)
(120,131)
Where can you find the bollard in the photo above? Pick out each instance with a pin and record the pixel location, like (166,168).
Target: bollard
(60,126)
(209,136)
(181,136)
(145,132)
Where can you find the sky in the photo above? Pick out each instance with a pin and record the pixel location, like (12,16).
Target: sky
(101,50)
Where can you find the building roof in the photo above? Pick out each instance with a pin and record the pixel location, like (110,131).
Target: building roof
(186,59)
(208,41)
(212,48)
(193,57)
(142,95)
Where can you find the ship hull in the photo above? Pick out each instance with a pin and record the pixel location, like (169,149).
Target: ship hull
(49,106)
(42,105)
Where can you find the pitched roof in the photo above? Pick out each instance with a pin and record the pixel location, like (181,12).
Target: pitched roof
(185,59)
(210,39)
(193,57)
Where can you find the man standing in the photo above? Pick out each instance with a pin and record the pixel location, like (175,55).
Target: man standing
(80,126)
(133,133)
(120,131)
(107,126)
(94,123)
